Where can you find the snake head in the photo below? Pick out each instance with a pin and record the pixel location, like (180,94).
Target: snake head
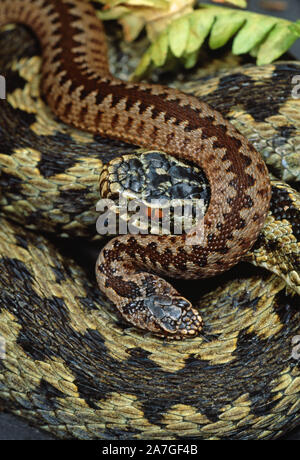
(172,316)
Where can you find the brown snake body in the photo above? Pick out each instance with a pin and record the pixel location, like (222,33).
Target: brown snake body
(80,90)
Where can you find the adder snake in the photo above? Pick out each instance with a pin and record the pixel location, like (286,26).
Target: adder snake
(251,177)
(81,91)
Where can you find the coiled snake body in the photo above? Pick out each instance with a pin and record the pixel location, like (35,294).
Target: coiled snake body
(189,129)
(80,90)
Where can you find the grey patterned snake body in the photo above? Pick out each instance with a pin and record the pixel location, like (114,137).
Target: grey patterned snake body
(81,91)
(71,367)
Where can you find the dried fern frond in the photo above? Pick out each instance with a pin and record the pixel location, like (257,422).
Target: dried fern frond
(134,15)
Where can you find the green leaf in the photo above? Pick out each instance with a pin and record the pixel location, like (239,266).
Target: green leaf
(198,30)
(264,37)
(190,59)
(276,44)
(178,35)
(160,50)
(253,32)
(223,30)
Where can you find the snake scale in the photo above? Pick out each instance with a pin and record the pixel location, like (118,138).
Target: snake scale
(69,364)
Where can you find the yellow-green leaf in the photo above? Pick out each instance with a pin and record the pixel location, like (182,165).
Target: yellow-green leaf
(277,43)
(199,29)
(253,32)
(190,59)
(160,50)
(178,35)
(144,65)
(224,29)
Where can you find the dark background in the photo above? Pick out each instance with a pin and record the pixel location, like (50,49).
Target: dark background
(13,428)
